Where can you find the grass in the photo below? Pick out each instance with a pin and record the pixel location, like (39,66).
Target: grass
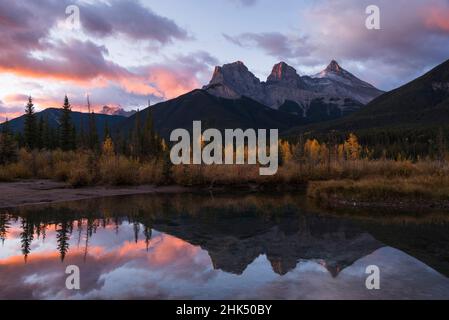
(341,179)
(82,168)
(381,189)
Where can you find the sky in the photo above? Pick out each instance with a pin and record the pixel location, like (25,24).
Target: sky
(128,52)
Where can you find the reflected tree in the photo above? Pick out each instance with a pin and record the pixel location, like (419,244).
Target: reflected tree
(62,238)
(147,232)
(4,226)
(136,228)
(26,238)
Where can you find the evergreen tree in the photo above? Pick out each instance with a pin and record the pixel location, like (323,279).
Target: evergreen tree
(30,129)
(93,141)
(46,135)
(166,163)
(54,137)
(8,148)
(81,139)
(40,134)
(136,139)
(20,140)
(66,128)
(149,139)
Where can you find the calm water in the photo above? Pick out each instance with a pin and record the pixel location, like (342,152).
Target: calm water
(214,247)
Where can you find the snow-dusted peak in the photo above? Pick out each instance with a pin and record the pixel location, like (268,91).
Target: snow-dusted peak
(334,72)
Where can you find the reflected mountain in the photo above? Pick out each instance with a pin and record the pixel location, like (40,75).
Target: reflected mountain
(235,244)
(207,245)
(233,236)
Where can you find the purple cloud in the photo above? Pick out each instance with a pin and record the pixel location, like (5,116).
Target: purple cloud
(413,38)
(273,43)
(129,18)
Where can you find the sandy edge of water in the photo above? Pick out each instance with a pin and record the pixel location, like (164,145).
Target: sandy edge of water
(33,192)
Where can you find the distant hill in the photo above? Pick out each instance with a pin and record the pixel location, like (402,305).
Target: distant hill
(422,103)
(52,115)
(214,112)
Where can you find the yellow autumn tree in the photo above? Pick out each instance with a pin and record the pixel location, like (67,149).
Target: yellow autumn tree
(352,147)
(108,147)
(164,146)
(286,151)
(312,150)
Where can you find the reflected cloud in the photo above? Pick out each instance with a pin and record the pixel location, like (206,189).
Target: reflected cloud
(192,247)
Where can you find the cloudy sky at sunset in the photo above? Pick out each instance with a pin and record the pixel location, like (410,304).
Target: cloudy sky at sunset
(128,52)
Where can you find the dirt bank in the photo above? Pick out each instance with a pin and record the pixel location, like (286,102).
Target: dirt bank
(31,192)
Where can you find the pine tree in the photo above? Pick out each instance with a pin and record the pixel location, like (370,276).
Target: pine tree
(40,134)
(149,139)
(54,137)
(8,148)
(81,138)
(46,135)
(20,140)
(30,129)
(66,128)
(136,139)
(93,141)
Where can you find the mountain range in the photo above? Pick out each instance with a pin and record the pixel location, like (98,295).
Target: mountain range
(332,93)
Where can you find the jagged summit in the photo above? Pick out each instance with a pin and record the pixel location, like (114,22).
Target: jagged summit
(333,67)
(234,80)
(284,72)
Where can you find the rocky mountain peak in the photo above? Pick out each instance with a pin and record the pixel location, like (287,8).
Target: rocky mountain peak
(234,80)
(283,72)
(334,67)
(232,72)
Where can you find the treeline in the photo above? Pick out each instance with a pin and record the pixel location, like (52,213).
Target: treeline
(142,142)
(393,143)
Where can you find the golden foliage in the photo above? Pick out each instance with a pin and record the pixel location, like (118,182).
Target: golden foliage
(108,147)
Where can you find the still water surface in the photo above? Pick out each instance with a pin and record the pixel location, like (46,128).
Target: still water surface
(219,247)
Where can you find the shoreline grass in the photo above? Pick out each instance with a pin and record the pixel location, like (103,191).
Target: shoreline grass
(423,191)
(341,180)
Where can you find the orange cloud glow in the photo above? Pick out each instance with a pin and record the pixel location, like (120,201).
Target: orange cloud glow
(171,84)
(437,19)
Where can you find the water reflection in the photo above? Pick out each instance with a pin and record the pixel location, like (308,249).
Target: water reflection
(201,247)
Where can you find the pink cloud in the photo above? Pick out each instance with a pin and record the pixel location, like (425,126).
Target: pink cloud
(437,18)
(27,49)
